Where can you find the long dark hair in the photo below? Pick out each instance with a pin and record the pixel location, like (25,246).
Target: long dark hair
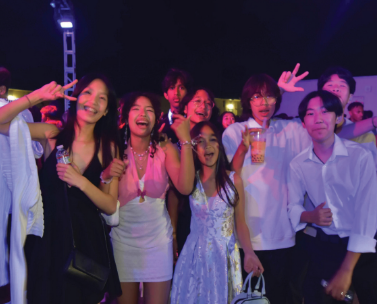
(223,182)
(128,101)
(105,131)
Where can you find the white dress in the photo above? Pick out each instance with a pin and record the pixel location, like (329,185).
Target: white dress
(208,270)
(142,243)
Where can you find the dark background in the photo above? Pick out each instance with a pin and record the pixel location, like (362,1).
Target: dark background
(221,43)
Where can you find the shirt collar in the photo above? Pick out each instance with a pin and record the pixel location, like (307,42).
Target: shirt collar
(3,102)
(338,150)
(251,123)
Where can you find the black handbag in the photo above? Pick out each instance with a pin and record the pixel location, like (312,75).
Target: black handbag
(82,268)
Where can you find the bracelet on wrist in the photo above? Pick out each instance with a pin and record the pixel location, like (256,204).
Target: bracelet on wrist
(27,97)
(105,181)
(182,143)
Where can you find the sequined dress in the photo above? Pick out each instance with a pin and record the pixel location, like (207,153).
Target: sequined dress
(208,269)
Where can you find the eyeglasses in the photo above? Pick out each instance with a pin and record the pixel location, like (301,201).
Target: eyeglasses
(258,100)
(207,104)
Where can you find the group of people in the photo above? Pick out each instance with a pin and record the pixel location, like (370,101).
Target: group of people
(191,214)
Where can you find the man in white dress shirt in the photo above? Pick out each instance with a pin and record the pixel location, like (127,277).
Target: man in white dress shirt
(340,179)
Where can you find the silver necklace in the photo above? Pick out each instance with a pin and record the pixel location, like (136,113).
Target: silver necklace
(142,154)
(142,157)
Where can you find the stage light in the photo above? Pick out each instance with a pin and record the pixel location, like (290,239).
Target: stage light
(230,106)
(66,24)
(12,97)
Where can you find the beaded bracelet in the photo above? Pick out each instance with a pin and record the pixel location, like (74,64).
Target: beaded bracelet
(182,143)
(104,181)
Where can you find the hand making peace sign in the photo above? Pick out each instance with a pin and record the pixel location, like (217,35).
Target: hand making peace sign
(288,80)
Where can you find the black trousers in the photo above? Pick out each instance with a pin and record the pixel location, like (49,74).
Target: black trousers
(275,264)
(326,254)
(298,268)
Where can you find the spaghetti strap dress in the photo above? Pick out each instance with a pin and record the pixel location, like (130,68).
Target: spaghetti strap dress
(47,256)
(208,270)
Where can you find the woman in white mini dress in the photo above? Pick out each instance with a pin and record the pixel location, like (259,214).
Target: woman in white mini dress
(142,241)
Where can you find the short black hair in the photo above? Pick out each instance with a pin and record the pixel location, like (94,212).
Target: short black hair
(259,83)
(354,105)
(5,78)
(172,77)
(330,101)
(342,74)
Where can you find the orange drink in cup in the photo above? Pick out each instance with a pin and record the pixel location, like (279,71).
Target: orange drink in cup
(258,144)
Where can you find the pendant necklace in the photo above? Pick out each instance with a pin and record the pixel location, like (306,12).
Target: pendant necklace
(141,157)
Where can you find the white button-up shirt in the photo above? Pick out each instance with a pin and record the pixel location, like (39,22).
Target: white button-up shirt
(266,193)
(347,183)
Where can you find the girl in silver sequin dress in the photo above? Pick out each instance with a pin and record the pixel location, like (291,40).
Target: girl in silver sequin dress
(208,269)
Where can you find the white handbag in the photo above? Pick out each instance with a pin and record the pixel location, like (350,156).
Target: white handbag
(252,297)
(112,220)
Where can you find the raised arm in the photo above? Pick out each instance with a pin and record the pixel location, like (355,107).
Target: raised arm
(288,80)
(252,262)
(48,92)
(181,167)
(239,156)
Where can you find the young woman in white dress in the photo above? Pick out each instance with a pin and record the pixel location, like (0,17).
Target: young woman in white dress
(209,269)
(142,242)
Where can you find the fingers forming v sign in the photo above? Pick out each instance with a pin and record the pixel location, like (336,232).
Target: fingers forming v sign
(288,80)
(53,91)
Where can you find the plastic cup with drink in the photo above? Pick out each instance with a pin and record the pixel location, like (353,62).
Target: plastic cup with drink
(258,143)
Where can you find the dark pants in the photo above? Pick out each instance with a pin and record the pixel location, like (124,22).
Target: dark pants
(326,254)
(275,264)
(298,267)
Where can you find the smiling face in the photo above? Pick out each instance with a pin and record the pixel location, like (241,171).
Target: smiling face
(319,122)
(92,102)
(228,119)
(199,108)
(141,118)
(338,87)
(263,109)
(207,147)
(175,93)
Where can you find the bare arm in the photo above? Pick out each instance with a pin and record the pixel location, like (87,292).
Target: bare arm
(50,91)
(252,262)
(358,128)
(173,204)
(239,156)
(181,169)
(341,282)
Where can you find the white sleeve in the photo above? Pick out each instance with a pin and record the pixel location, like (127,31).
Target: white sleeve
(231,141)
(365,224)
(296,194)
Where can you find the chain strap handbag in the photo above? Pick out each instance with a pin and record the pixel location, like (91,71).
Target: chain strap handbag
(252,297)
(82,268)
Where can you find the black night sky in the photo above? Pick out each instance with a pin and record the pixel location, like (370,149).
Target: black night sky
(221,43)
